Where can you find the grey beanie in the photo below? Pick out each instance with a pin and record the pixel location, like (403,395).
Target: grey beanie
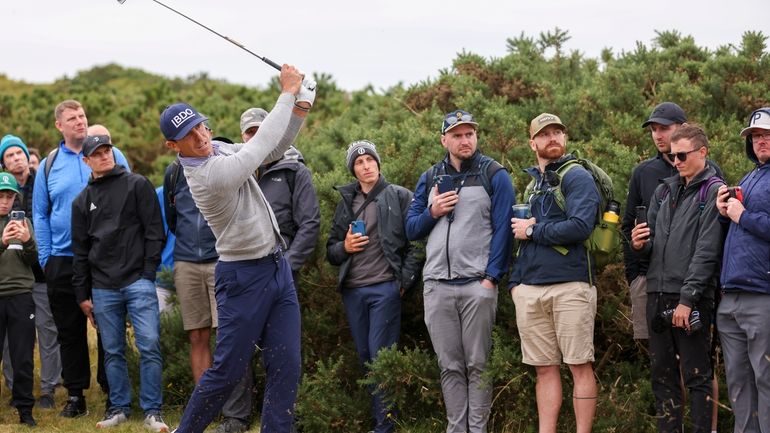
(358,148)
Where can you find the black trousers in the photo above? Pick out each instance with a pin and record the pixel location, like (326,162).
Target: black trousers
(672,351)
(71,325)
(17,320)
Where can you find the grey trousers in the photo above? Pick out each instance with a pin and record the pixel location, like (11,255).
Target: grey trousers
(459,318)
(743,321)
(50,361)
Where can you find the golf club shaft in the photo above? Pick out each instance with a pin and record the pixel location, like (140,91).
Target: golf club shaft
(232,41)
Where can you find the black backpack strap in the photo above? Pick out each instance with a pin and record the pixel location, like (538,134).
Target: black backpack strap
(369,198)
(47,170)
(170,181)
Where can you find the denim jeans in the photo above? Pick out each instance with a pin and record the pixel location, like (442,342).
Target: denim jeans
(140,301)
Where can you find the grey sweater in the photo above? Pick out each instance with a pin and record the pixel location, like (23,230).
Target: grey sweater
(226,191)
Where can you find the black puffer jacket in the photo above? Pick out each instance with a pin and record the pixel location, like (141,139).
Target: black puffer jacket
(404,257)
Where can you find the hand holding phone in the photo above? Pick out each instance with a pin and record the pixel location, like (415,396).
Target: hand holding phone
(444,183)
(359,227)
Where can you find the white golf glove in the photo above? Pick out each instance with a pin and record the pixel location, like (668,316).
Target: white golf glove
(306,94)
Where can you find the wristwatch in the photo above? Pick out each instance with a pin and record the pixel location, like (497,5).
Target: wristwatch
(494,280)
(529,231)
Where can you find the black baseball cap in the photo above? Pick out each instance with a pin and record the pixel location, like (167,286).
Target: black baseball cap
(93,142)
(666,113)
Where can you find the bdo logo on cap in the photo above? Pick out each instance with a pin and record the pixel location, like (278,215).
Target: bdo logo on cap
(182,117)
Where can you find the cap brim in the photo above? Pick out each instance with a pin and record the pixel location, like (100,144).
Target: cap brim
(5,188)
(187,128)
(451,127)
(564,128)
(94,149)
(661,120)
(245,127)
(747,131)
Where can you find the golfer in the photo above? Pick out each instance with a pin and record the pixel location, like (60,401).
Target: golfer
(256,299)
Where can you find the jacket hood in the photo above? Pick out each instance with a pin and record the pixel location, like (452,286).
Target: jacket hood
(750,150)
(289,160)
(116,171)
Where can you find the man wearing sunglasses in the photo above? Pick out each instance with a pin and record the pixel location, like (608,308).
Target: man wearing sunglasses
(551,288)
(683,243)
(742,316)
(465,220)
(662,122)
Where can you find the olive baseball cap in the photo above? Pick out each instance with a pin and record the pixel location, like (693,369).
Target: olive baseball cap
(544,119)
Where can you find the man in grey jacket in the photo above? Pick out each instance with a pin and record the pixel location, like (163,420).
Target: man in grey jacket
(288,186)
(256,300)
(467,253)
(684,245)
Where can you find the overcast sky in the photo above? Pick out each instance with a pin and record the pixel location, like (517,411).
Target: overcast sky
(358,42)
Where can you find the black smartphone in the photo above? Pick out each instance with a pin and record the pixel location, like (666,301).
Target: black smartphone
(641,214)
(444,182)
(358,226)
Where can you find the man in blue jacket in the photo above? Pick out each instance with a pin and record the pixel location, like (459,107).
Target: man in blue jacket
(467,251)
(551,287)
(743,316)
(52,214)
(195,257)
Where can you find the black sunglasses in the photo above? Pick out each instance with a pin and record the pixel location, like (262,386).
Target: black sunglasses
(682,156)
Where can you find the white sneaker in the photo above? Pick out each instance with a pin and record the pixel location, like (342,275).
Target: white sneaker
(154,422)
(111,419)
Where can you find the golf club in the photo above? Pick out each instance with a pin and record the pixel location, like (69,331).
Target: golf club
(232,41)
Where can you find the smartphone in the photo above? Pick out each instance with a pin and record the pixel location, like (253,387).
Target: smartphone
(641,214)
(736,192)
(444,182)
(358,226)
(17,215)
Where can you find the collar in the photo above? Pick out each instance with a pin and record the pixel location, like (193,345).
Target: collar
(197,161)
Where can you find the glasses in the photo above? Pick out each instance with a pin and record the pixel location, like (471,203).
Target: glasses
(682,156)
(760,136)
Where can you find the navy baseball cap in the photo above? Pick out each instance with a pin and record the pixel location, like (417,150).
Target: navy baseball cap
(666,113)
(178,119)
(93,142)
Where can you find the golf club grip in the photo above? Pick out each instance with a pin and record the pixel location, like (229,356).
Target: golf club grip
(271,63)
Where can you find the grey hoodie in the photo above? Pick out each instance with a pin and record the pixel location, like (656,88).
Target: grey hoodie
(226,191)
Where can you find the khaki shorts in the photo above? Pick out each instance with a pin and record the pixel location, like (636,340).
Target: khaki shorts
(638,292)
(556,322)
(195,289)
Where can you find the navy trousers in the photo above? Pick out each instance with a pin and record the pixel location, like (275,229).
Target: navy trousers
(374,316)
(258,309)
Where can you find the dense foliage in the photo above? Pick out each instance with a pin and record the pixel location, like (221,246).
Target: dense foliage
(602,101)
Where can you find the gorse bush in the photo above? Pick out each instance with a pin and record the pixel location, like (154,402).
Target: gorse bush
(603,103)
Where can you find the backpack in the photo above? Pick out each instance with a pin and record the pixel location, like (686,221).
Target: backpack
(604,242)
(485,170)
(703,191)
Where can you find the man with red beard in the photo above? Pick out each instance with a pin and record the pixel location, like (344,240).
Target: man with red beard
(555,301)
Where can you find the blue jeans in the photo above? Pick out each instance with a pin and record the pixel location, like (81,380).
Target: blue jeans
(140,301)
(258,308)
(374,316)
